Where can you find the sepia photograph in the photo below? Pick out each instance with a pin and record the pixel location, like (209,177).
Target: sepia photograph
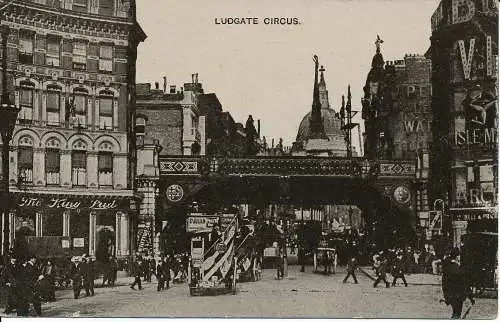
(249,159)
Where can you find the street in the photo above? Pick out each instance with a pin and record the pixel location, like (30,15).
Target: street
(301,295)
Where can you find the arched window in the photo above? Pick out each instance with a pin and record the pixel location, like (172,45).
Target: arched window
(79,163)
(52,162)
(26,93)
(80,107)
(25,160)
(53,105)
(105,164)
(106,110)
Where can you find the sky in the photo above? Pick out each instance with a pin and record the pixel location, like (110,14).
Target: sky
(267,71)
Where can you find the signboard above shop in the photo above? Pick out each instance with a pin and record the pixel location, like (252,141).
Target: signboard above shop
(69,202)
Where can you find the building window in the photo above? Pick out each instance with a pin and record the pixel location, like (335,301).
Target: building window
(106,7)
(106,58)
(140,131)
(26,104)
(105,113)
(25,164)
(80,5)
(105,169)
(80,109)
(53,105)
(26,48)
(79,168)
(52,166)
(80,55)
(53,51)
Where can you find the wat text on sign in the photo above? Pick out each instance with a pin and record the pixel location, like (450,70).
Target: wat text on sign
(476,136)
(417,125)
(66,203)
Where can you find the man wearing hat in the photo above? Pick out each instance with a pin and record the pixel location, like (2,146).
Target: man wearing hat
(30,291)
(87,271)
(76,276)
(455,284)
(10,278)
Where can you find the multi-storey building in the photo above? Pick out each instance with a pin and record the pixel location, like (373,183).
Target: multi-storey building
(167,124)
(71,69)
(398,118)
(175,123)
(464,164)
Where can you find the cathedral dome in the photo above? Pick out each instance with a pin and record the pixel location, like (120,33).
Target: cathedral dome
(331,123)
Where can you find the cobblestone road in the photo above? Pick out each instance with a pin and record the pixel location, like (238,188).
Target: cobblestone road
(301,295)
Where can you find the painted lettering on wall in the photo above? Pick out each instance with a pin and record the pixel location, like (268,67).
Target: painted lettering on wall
(467,58)
(417,125)
(476,136)
(477,196)
(67,203)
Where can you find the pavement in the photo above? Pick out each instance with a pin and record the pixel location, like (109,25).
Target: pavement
(300,295)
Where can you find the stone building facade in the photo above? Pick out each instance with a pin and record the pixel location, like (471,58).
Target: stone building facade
(464,164)
(71,71)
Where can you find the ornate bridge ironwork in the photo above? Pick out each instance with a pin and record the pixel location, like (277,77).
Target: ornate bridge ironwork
(286,166)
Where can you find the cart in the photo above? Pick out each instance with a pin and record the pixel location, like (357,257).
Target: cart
(325,255)
(212,266)
(479,258)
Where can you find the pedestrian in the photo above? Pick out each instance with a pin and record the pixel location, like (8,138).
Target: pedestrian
(382,273)
(163,274)
(76,276)
(48,288)
(87,269)
(398,270)
(279,261)
(30,291)
(137,270)
(301,257)
(352,266)
(10,278)
(455,284)
(113,270)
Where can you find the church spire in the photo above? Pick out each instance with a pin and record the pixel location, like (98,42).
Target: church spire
(323,92)
(317,128)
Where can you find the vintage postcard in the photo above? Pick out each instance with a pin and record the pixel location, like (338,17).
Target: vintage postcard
(257,159)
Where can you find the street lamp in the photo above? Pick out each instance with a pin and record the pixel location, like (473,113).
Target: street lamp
(8,116)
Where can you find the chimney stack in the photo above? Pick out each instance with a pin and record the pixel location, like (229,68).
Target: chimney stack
(258,128)
(164,84)
(172,89)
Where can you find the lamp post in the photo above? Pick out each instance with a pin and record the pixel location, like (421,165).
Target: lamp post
(8,113)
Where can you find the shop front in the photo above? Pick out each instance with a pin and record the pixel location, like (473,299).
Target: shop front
(80,224)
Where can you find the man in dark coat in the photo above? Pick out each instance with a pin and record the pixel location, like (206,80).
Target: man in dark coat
(163,274)
(87,270)
(113,270)
(352,265)
(137,271)
(76,276)
(302,258)
(10,278)
(382,273)
(30,292)
(398,270)
(455,284)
